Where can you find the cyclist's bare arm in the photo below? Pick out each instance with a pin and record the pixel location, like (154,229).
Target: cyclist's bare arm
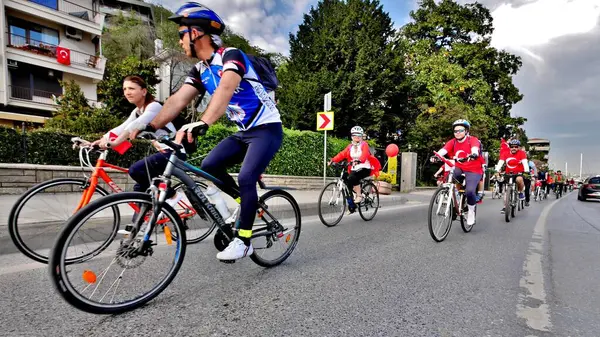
(173,106)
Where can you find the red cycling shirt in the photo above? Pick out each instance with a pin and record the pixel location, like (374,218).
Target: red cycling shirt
(458,150)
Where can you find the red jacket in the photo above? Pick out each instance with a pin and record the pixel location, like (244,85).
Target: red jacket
(364,157)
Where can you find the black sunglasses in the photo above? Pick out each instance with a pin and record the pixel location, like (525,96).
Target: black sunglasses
(182,33)
(514,147)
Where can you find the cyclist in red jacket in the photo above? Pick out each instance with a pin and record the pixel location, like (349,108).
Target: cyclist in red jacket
(363,164)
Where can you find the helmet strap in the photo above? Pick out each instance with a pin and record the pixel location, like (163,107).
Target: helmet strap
(193,41)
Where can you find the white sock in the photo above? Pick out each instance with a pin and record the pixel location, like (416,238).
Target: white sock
(471,208)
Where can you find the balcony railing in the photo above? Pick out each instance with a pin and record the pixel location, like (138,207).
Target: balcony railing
(48,49)
(40,96)
(73,9)
(35,95)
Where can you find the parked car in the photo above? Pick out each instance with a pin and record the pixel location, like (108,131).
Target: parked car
(590,189)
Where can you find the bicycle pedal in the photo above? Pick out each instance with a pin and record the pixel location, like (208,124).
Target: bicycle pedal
(228,261)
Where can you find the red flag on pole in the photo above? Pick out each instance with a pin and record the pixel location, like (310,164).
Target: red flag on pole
(504,149)
(63,55)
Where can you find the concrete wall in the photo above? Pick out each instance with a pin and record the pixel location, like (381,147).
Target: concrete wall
(88,87)
(17,178)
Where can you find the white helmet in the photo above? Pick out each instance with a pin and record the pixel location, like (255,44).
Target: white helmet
(357,131)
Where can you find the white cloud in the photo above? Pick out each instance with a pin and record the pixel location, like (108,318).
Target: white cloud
(265,23)
(537,23)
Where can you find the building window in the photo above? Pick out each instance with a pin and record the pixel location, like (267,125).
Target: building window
(28,33)
(47,3)
(35,83)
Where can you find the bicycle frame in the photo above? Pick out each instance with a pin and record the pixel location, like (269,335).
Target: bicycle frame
(98,173)
(179,168)
(451,185)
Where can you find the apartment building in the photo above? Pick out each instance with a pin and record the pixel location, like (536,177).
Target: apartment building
(115,7)
(42,42)
(540,145)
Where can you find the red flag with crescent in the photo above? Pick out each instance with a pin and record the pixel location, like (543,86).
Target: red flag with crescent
(63,55)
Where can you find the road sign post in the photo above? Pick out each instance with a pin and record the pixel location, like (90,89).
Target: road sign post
(324,123)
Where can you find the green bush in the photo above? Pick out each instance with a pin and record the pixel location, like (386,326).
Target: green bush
(301,153)
(11,143)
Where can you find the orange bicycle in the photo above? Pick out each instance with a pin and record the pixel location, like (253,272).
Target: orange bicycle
(33,228)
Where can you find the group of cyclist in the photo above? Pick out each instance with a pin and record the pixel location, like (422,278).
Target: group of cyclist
(236,89)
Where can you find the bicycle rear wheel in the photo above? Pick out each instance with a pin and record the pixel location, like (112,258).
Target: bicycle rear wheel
(277,226)
(440,208)
(117,278)
(370,204)
(332,205)
(56,199)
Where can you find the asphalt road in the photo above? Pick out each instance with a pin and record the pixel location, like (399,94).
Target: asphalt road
(535,276)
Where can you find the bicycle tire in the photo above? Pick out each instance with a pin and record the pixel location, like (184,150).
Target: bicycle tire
(57,264)
(323,221)
(508,203)
(515,199)
(15,212)
(281,193)
(200,238)
(430,220)
(370,187)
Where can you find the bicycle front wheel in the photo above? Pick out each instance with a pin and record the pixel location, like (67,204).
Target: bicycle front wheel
(439,219)
(119,277)
(276,229)
(40,214)
(508,203)
(370,204)
(332,204)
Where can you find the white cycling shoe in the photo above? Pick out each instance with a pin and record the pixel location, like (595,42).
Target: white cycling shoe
(235,251)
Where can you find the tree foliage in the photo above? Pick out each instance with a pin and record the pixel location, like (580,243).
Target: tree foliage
(343,47)
(128,36)
(74,113)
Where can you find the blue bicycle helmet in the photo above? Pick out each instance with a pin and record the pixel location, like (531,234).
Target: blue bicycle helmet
(514,142)
(195,14)
(462,122)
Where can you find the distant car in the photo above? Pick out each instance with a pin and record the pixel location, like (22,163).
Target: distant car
(590,189)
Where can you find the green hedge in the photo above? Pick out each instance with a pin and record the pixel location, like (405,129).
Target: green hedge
(301,153)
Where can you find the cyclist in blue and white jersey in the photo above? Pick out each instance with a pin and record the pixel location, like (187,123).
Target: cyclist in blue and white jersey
(228,76)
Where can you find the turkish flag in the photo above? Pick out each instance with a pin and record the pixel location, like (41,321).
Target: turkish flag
(504,149)
(63,55)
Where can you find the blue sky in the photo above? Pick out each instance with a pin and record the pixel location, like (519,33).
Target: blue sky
(557,40)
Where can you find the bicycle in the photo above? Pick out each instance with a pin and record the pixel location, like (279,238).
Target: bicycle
(449,201)
(340,193)
(131,252)
(496,191)
(20,227)
(558,190)
(538,195)
(511,200)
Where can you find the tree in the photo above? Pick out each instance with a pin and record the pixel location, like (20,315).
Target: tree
(128,36)
(457,74)
(343,47)
(75,115)
(110,89)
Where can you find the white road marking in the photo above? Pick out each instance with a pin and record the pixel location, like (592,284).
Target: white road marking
(532,306)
